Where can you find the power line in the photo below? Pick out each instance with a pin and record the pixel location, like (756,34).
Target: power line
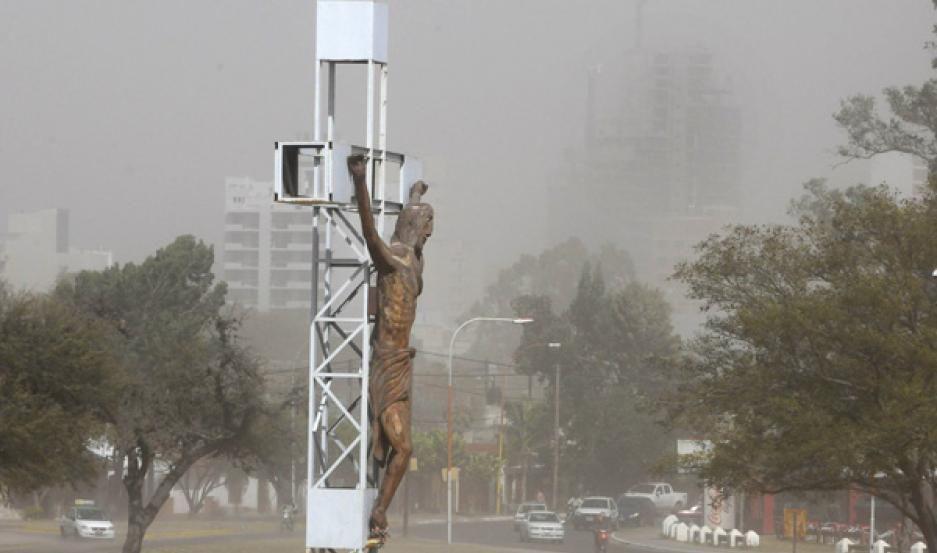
(460,358)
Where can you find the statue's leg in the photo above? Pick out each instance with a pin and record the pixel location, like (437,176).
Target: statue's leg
(395,422)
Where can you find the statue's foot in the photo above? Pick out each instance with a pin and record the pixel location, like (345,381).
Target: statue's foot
(374,543)
(378,523)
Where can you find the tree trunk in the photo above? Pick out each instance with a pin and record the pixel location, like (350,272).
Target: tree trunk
(524,481)
(136,519)
(922,502)
(140,515)
(185,483)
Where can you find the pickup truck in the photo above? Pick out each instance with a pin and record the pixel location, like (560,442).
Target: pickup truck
(661,494)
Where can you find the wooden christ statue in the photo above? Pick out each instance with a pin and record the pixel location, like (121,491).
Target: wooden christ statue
(399,282)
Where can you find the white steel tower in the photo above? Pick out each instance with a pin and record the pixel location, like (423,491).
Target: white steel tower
(341,480)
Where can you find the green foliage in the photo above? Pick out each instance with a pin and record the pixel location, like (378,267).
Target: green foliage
(554,274)
(186,383)
(56,381)
(430,450)
(614,345)
(817,368)
(527,429)
(481,467)
(187,388)
(525,433)
(551,275)
(911,128)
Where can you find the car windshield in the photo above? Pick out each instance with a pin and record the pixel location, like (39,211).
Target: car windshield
(533,507)
(543,517)
(642,488)
(90,513)
(595,504)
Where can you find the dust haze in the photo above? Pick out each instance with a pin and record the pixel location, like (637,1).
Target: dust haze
(131,114)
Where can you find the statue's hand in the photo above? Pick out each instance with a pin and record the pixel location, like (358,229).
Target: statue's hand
(417,190)
(357,166)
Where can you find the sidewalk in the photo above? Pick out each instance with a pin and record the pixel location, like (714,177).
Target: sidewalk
(648,537)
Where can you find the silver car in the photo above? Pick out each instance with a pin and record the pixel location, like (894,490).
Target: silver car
(521,515)
(543,525)
(86,521)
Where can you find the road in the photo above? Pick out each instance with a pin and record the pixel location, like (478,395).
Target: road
(495,534)
(502,534)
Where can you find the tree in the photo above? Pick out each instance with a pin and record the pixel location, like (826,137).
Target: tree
(235,482)
(818,367)
(430,449)
(527,429)
(202,478)
(613,345)
(553,275)
(188,390)
(56,381)
(276,447)
(478,472)
(911,128)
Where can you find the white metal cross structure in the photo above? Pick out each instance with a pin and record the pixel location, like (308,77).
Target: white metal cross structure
(341,480)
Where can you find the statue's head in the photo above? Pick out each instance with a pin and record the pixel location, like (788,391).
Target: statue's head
(415,222)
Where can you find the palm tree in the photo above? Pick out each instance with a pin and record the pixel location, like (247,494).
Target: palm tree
(524,432)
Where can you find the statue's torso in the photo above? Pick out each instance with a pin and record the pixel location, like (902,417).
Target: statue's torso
(397,292)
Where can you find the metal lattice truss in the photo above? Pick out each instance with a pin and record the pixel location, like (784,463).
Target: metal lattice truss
(341,481)
(338,356)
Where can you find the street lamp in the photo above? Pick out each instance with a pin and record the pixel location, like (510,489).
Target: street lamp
(449,413)
(556,428)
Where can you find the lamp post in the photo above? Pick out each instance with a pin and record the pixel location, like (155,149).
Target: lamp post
(556,428)
(449,414)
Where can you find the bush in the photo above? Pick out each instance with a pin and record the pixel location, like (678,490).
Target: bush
(33,513)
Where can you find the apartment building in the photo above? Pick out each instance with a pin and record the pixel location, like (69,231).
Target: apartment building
(267,256)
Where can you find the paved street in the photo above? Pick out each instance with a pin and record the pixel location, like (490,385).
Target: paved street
(502,534)
(474,536)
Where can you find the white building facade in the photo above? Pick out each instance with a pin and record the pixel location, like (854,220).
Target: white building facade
(37,251)
(267,259)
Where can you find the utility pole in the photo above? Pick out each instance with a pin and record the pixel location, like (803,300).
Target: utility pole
(556,427)
(292,438)
(500,477)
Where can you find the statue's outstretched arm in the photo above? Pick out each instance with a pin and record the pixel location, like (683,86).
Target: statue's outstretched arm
(380,252)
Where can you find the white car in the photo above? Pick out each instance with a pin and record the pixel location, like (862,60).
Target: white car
(86,521)
(591,508)
(543,525)
(661,493)
(521,515)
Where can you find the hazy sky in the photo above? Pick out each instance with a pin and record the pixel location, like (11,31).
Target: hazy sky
(131,113)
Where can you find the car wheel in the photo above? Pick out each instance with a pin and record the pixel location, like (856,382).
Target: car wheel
(678,506)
